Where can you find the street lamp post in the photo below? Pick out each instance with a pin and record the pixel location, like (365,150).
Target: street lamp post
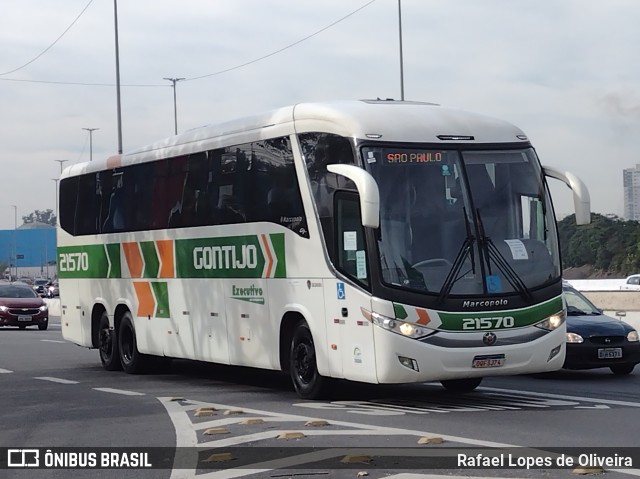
(91,130)
(61,162)
(57,219)
(15,234)
(175,107)
(119,109)
(401,60)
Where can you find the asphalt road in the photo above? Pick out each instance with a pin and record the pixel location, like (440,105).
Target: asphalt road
(55,395)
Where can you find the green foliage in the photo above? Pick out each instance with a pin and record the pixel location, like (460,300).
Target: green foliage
(47,217)
(609,244)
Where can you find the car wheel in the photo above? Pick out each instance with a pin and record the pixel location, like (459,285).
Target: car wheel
(461,385)
(307,381)
(622,369)
(132,360)
(108,345)
(43,326)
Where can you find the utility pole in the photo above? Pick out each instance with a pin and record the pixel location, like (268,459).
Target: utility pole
(175,107)
(57,214)
(15,234)
(119,110)
(91,130)
(401,60)
(61,161)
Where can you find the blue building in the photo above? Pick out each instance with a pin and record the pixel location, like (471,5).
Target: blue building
(31,249)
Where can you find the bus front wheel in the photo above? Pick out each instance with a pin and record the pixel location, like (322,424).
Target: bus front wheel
(461,385)
(132,361)
(108,345)
(306,379)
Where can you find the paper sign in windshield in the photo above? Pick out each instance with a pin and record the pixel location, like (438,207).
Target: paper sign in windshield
(518,250)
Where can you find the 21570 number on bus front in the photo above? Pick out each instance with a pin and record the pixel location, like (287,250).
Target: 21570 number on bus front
(488,323)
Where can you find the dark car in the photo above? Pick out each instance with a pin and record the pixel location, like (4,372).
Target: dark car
(595,340)
(40,286)
(21,306)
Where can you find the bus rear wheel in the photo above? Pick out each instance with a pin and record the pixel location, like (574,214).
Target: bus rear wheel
(108,345)
(132,361)
(461,385)
(307,381)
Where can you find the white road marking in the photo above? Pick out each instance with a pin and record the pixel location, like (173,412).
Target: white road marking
(561,396)
(52,341)
(119,391)
(187,436)
(57,380)
(5,371)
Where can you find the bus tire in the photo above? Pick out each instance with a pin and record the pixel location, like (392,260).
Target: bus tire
(307,381)
(461,385)
(132,360)
(108,345)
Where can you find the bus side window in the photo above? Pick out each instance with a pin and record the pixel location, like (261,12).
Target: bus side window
(67,207)
(84,223)
(350,247)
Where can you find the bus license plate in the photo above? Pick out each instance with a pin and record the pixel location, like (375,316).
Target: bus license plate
(24,318)
(609,353)
(488,361)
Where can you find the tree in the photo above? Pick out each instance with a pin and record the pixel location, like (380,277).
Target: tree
(610,245)
(46,216)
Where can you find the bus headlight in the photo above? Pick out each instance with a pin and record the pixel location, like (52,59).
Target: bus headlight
(410,330)
(552,322)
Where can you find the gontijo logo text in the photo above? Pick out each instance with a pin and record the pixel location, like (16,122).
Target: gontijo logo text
(225,257)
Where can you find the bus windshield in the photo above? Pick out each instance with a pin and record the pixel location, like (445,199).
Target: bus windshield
(463,222)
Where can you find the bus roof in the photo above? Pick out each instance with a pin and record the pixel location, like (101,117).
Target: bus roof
(375,120)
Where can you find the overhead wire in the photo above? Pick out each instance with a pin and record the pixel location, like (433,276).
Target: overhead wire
(283,48)
(226,70)
(50,46)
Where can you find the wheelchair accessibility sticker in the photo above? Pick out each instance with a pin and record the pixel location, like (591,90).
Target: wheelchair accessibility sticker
(340,291)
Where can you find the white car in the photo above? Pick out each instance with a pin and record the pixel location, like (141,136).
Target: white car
(632,282)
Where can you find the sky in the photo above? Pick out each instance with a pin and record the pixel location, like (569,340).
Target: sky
(564,71)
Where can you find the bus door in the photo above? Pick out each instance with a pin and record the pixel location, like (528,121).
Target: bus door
(348,331)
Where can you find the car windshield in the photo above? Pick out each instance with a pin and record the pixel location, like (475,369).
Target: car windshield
(461,223)
(15,291)
(578,304)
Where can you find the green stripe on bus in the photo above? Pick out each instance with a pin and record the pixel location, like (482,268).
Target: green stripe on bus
(161,293)
(277,240)
(113,253)
(521,317)
(88,261)
(151,262)
(399,311)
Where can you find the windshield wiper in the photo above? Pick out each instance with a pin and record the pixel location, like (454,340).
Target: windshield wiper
(465,251)
(492,253)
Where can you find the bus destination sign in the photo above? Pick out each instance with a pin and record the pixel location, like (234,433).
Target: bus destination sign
(412,157)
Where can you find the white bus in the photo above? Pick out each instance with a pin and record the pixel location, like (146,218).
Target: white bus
(374,241)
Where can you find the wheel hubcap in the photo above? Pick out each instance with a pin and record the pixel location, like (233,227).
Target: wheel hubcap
(304,362)
(106,345)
